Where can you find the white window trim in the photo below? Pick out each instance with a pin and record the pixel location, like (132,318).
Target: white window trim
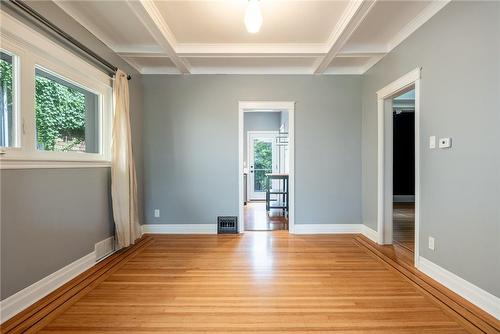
(33,50)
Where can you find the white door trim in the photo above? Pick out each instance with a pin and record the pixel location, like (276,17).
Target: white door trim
(259,134)
(271,106)
(384,195)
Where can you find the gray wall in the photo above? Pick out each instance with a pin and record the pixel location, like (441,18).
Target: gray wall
(191,145)
(259,121)
(460,188)
(50,218)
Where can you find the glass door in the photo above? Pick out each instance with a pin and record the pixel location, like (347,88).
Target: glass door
(262,161)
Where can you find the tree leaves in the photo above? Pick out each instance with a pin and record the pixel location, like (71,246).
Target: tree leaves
(60,113)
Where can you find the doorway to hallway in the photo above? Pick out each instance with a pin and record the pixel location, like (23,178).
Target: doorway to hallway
(266,166)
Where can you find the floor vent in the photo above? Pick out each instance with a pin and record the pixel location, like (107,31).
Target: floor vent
(227,224)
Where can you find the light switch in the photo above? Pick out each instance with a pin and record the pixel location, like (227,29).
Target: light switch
(431,243)
(432,142)
(444,142)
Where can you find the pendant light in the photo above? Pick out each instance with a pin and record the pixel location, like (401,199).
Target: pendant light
(253,17)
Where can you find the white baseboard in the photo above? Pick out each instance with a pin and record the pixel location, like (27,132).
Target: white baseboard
(327,228)
(336,229)
(179,229)
(477,296)
(369,233)
(31,294)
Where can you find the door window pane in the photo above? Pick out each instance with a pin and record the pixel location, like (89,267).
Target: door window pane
(67,116)
(7,127)
(263,163)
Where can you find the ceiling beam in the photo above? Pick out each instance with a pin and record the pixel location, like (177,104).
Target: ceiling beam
(250,50)
(147,12)
(354,14)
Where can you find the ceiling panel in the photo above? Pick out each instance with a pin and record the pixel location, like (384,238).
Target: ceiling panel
(222,21)
(121,29)
(383,22)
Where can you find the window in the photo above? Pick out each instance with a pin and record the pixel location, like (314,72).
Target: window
(56,108)
(7,121)
(67,116)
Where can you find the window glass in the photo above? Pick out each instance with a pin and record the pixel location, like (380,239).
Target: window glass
(67,116)
(7,135)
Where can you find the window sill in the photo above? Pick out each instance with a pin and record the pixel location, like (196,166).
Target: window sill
(49,164)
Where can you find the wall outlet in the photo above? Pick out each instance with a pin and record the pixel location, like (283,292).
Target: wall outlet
(432,142)
(431,243)
(444,142)
(157,213)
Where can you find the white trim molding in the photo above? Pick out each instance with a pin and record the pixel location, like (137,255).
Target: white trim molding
(336,229)
(41,164)
(369,233)
(327,228)
(179,229)
(31,294)
(384,157)
(477,296)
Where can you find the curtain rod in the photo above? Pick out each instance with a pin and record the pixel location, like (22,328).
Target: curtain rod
(21,6)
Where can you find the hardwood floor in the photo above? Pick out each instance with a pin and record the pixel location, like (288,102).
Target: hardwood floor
(258,219)
(404,225)
(257,282)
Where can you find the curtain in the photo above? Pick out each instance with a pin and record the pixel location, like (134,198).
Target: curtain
(123,176)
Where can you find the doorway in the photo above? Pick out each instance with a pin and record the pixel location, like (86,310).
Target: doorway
(266,178)
(403,176)
(398,165)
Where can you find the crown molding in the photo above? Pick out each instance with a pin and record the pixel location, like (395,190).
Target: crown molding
(417,22)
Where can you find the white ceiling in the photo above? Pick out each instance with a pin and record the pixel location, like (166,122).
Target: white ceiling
(297,36)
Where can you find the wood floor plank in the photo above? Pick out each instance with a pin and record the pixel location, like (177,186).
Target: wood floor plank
(258,282)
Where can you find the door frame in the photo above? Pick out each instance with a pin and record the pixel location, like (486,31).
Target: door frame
(385,158)
(263,134)
(268,106)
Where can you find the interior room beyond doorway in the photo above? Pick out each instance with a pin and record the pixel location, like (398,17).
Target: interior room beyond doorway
(265,169)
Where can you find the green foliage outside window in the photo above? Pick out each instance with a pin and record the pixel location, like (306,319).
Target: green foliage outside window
(263,164)
(60,110)
(5,100)
(60,114)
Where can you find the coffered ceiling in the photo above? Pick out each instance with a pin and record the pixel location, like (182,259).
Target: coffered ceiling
(296,37)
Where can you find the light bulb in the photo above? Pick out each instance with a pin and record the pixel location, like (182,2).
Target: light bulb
(253,17)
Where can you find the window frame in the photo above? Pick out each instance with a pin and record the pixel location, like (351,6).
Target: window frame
(34,50)
(15,99)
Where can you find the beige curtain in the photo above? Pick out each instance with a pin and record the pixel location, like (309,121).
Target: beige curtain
(123,176)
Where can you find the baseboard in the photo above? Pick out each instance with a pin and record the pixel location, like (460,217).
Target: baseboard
(369,233)
(477,296)
(403,198)
(327,228)
(179,229)
(31,294)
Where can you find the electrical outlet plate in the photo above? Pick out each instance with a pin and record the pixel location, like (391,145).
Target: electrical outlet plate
(157,213)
